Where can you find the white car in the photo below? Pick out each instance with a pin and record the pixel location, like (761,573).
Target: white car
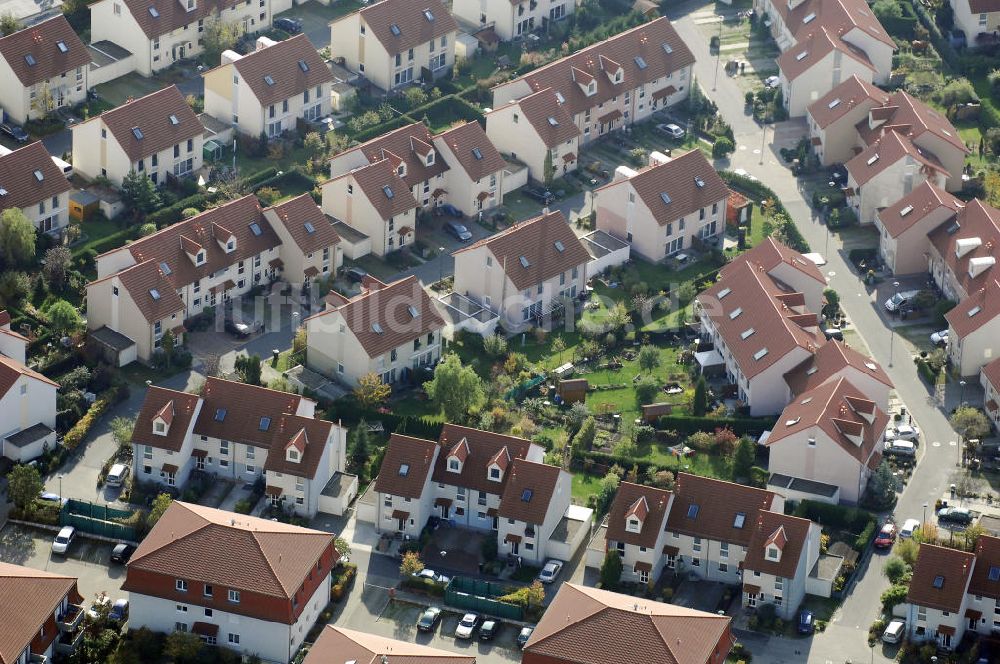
(550,571)
(426,573)
(673,130)
(772,81)
(62,541)
(117,474)
(894,631)
(903,432)
(466,626)
(899,300)
(742,172)
(940,338)
(910,526)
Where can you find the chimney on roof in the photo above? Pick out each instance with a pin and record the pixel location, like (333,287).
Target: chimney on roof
(545,210)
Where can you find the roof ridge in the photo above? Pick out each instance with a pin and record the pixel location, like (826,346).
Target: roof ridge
(267,560)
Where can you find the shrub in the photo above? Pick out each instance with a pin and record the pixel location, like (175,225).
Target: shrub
(76,434)
(722,148)
(896,594)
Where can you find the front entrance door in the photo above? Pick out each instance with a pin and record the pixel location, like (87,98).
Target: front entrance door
(200,463)
(444,511)
(515,548)
(751,599)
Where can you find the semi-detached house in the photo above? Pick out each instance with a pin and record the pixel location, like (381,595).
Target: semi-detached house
(43,614)
(253,586)
(395,43)
(978,20)
(337,643)
(904,227)
(241,432)
(42,68)
(512,19)
(606,86)
(158,135)
(269,90)
(31,182)
(27,400)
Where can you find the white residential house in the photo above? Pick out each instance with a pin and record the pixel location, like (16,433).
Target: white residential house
(27,401)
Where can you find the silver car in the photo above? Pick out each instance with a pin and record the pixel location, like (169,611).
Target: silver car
(550,571)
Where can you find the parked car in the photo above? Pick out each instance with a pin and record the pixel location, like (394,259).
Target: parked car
(426,573)
(119,611)
(524,635)
(903,432)
(833,333)
(742,172)
(122,553)
(117,474)
(62,541)
(672,130)
(899,301)
(806,622)
(290,25)
(940,338)
(48,496)
(489,630)
(237,329)
(458,231)
(467,625)
(543,196)
(894,631)
(550,571)
(15,132)
(449,210)
(102,600)
(355,274)
(910,526)
(429,619)
(955,515)
(900,448)
(886,536)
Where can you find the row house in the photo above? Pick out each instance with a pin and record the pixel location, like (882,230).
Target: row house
(584,625)
(761,328)
(989,378)
(888,169)
(271,89)
(535,129)
(336,644)
(606,86)
(241,432)
(27,401)
(395,43)
(904,227)
(474,179)
(780,562)
(519,498)
(157,282)
(158,33)
(512,19)
(527,272)
(835,360)
(393,330)
(856,114)
(665,208)
(42,68)
(253,586)
(43,614)
(374,200)
(953,593)
(978,20)
(158,135)
(31,182)
(824,42)
(832,435)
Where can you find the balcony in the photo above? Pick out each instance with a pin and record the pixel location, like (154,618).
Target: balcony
(67,642)
(71,619)
(38,659)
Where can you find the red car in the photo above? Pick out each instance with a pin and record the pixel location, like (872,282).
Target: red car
(886,536)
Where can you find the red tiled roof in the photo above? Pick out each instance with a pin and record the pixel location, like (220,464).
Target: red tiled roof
(981,307)
(770,253)
(585,625)
(976,221)
(151,116)
(844,98)
(414,26)
(812,49)
(408,144)
(336,645)
(44,50)
(837,16)
(158,17)
(952,566)
(885,152)
(629,495)
(987,563)
(710,508)
(482,449)
(925,199)
(537,242)
(28,600)
(984,6)
(528,491)
(830,359)
(293,66)
(405,466)
(383,187)
(550,119)
(788,533)
(466,141)
(992,373)
(18,180)
(905,110)
(305,222)
(11,370)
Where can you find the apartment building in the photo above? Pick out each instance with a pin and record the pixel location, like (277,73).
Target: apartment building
(253,586)
(611,84)
(584,625)
(989,378)
(393,330)
(527,272)
(43,614)
(27,401)
(32,183)
(904,226)
(241,432)
(269,90)
(395,43)
(665,208)
(978,20)
(832,435)
(43,67)
(158,33)
(158,135)
(154,284)
(339,643)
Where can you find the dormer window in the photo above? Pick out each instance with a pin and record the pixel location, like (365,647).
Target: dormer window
(495,474)
(633,525)
(773,553)
(401,170)
(293,455)
(160,428)
(591,88)
(618,76)
(199,258)
(454,465)
(231,245)
(430,158)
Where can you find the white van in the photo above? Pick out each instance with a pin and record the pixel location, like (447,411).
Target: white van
(900,300)
(116,476)
(894,631)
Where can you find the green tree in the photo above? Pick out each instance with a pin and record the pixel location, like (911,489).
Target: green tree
(606,492)
(24,483)
(896,570)
(371,391)
(969,422)
(167,344)
(183,647)
(832,302)
(17,239)
(411,564)
(359,450)
(722,148)
(558,347)
(455,388)
(744,457)
(343,548)
(699,403)
(495,346)
(63,317)
(160,505)
(139,194)
(8,24)
(882,487)
(649,358)
(887,9)
(611,570)
(248,369)
(584,438)
(646,389)
(121,431)
(526,596)
(907,550)
(548,170)
(217,37)
(57,262)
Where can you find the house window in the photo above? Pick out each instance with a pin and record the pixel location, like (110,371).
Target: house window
(697,545)
(181,608)
(724,567)
(234,596)
(207,592)
(234,639)
(224,447)
(494,473)
(181,585)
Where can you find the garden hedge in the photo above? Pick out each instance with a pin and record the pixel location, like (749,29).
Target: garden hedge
(741,426)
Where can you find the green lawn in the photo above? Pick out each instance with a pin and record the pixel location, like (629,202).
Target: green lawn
(584,486)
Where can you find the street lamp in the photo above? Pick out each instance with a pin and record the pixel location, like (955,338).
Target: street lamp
(441,265)
(961,399)
(60,490)
(763,140)
(892,330)
(925,514)
(718,53)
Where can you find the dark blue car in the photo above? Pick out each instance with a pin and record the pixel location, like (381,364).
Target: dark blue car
(450,210)
(806,622)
